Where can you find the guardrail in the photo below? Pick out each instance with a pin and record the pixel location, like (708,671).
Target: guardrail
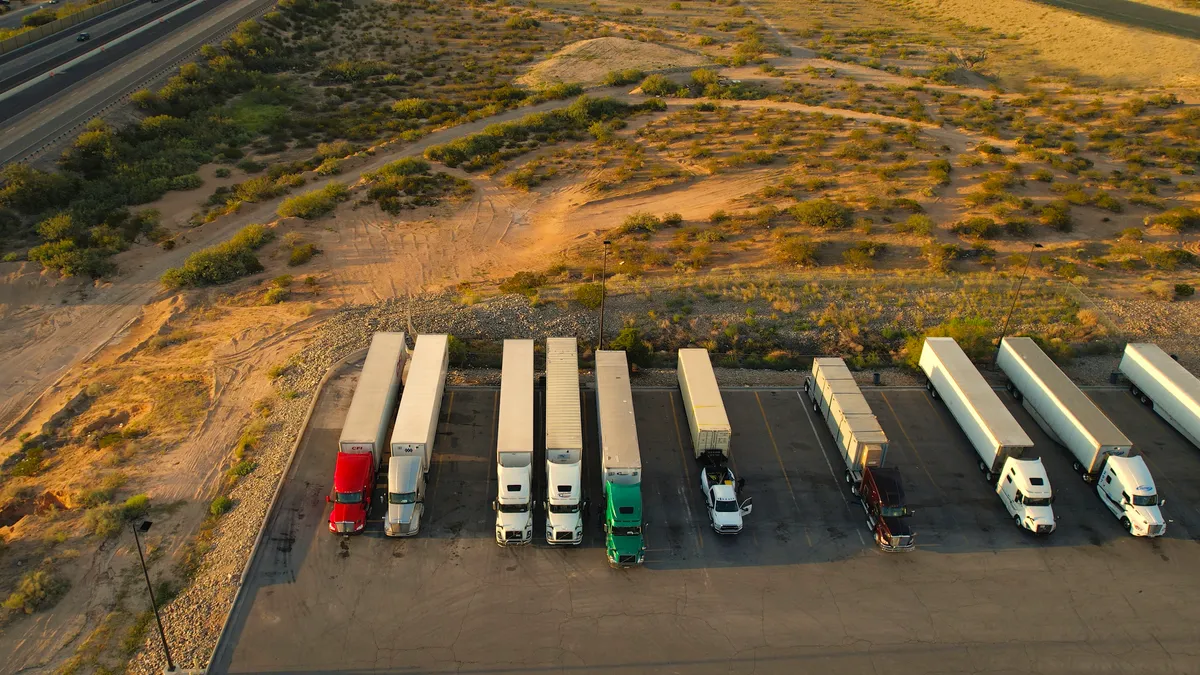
(140,79)
(22,39)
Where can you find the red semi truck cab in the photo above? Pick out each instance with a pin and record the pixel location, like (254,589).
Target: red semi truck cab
(882,495)
(353,480)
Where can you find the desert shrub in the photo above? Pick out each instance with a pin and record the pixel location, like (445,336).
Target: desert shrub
(135,507)
(636,349)
(222,263)
(1160,290)
(353,70)
(918,224)
(315,204)
(671,219)
(862,254)
(1042,176)
(939,256)
(979,227)
(274,296)
(1105,201)
(301,253)
(1018,227)
(1057,214)
(525,283)
(640,221)
(521,23)
(104,521)
(822,214)
(39,589)
(939,171)
(616,78)
(1175,220)
(243,468)
(556,91)
(974,335)
(1167,259)
(589,295)
(220,506)
(660,85)
(797,250)
(329,167)
(1184,290)
(1132,234)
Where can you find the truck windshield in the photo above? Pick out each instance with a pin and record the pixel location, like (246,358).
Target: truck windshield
(1036,501)
(726,506)
(347,497)
(893,511)
(514,508)
(564,508)
(1145,500)
(402,498)
(627,531)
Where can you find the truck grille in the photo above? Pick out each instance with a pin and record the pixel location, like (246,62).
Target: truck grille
(344,526)
(1155,530)
(729,528)
(564,534)
(1045,529)
(627,559)
(510,535)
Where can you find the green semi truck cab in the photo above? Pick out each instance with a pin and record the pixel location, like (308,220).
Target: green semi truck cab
(623,525)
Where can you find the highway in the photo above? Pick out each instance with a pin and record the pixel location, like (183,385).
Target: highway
(1135,14)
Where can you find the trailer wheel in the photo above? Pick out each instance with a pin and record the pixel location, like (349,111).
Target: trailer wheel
(1145,399)
(1134,390)
(1077,466)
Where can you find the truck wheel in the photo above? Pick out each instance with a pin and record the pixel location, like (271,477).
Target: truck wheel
(1127,525)
(1077,466)
(1134,390)
(1017,521)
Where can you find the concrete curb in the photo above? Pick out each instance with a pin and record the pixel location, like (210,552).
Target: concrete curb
(262,529)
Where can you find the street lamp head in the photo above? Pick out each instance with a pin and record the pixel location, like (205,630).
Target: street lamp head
(607,242)
(145,526)
(1038,246)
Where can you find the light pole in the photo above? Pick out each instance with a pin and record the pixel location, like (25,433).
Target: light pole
(144,528)
(603,291)
(1016,296)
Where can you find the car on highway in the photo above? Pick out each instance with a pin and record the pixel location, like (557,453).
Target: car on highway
(83,37)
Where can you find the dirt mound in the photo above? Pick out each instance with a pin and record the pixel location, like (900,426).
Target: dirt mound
(588,61)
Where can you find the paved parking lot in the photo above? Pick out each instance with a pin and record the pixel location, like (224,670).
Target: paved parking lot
(802,589)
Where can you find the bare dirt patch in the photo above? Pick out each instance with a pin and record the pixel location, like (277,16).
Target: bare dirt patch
(588,61)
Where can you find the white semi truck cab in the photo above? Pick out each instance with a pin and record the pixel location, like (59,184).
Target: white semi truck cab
(514,446)
(406,496)
(1024,488)
(1127,489)
(564,502)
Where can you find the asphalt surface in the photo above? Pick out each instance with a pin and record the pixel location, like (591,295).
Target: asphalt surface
(802,589)
(1135,14)
(63,46)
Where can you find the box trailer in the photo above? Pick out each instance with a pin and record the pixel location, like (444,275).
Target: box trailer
(374,401)
(825,368)
(514,446)
(620,461)
(1064,412)
(707,420)
(421,403)
(564,444)
(1159,381)
(993,432)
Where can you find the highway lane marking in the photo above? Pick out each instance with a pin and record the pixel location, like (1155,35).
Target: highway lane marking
(775,447)
(825,456)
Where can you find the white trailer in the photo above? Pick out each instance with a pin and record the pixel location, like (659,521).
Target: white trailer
(514,446)
(564,444)
(1064,412)
(848,416)
(993,431)
(1159,381)
(825,368)
(706,415)
(999,441)
(620,454)
(374,401)
(416,420)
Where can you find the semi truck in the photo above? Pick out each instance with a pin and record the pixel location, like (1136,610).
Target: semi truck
(564,503)
(406,496)
(514,446)
(996,436)
(620,461)
(1070,419)
(416,420)
(1159,381)
(364,433)
(863,446)
(711,434)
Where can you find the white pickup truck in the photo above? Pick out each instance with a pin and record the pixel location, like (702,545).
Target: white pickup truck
(721,499)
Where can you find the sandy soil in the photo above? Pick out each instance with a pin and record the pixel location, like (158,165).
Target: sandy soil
(588,61)
(1078,46)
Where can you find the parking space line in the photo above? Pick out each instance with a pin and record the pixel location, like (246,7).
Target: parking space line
(687,507)
(821,445)
(437,476)
(491,441)
(775,447)
(913,446)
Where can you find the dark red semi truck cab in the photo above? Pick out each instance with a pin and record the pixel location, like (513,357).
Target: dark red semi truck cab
(882,494)
(353,480)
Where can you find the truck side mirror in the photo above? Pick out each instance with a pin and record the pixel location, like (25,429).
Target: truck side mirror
(605,528)
(1162,502)
(495,505)
(328,499)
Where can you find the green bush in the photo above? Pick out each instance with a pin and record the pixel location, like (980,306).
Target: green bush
(220,506)
(973,335)
(636,349)
(822,214)
(978,227)
(939,256)
(639,221)
(862,255)
(918,224)
(274,296)
(660,85)
(589,295)
(301,253)
(1176,220)
(797,250)
(39,18)
(104,521)
(1184,290)
(616,78)
(135,507)
(243,468)
(1057,214)
(521,23)
(222,263)
(312,205)
(40,589)
(525,283)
